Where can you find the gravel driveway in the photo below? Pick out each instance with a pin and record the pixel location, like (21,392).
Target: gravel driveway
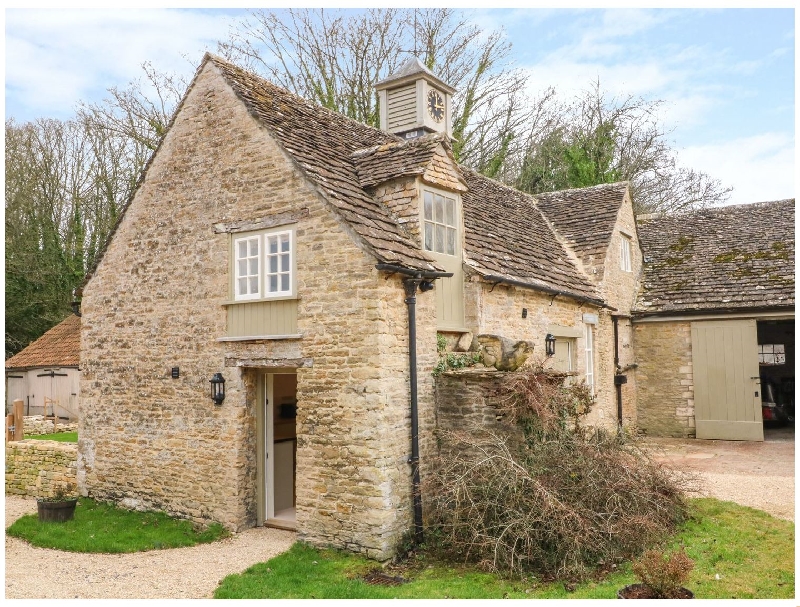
(178,573)
(760,475)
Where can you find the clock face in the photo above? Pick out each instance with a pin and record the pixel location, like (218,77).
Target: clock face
(435,105)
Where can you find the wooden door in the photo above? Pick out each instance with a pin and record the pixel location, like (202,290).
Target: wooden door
(727,393)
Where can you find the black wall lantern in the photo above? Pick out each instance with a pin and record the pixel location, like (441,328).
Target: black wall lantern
(550,344)
(217,388)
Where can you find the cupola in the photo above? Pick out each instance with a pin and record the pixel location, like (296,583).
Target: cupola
(414,102)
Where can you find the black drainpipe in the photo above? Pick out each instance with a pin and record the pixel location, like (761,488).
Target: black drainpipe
(421,279)
(617,375)
(410,285)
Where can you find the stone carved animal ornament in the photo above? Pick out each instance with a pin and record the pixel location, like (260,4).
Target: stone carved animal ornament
(501,352)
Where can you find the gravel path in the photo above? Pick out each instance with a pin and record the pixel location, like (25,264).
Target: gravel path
(759,475)
(179,573)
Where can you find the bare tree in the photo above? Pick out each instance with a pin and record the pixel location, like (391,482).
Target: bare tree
(335,58)
(601,139)
(66,183)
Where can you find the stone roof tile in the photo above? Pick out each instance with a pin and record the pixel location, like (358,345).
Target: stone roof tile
(585,217)
(732,257)
(507,235)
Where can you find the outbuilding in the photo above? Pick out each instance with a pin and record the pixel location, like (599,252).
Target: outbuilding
(46,374)
(714,322)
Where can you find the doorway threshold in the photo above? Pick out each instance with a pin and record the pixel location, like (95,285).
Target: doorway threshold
(277,523)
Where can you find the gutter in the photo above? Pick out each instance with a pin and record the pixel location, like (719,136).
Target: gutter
(518,283)
(782,309)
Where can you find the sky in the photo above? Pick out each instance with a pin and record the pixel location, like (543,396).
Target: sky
(726,77)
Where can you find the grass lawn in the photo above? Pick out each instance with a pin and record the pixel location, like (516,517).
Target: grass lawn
(750,552)
(101,527)
(62,437)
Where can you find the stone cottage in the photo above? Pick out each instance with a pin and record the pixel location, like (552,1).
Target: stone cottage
(309,261)
(714,322)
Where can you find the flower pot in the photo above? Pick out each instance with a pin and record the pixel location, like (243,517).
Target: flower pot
(643,591)
(56,512)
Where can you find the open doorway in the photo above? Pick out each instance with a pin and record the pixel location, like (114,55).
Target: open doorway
(277,449)
(776,362)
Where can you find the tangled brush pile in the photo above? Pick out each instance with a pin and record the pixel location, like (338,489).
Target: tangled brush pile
(549,496)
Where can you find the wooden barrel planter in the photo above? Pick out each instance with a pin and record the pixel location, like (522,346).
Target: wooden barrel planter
(56,512)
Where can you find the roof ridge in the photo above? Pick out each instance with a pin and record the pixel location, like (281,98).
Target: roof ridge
(597,186)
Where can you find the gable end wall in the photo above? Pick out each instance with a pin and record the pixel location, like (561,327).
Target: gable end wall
(156,301)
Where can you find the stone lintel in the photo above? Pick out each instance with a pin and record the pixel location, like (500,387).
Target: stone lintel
(269,363)
(261,223)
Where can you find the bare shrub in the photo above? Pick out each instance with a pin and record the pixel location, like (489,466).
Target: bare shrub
(554,498)
(664,573)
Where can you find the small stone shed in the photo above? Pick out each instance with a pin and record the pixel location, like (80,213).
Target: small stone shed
(714,321)
(46,374)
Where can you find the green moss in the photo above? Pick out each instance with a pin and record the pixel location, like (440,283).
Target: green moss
(679,252)
(777,251)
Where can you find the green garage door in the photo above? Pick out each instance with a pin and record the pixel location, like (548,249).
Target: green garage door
(727,396)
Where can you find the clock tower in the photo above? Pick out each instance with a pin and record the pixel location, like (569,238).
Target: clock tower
(414,102)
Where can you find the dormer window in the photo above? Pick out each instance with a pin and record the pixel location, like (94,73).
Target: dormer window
(440,225)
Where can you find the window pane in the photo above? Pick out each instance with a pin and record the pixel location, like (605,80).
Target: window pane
(428,237)
(253,285)
(439,245)
(253,267)
(242,249)
(450,211)
(284,263)
(778,348)
(451,241)
(253,247)
(242,267)
(284,282)
(284,242)
(242,286)
(438,209)
(273,244)
(273,283)
(428,206)
(273,264)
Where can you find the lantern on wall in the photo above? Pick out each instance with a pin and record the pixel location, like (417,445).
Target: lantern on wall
(550,344)
(217,388)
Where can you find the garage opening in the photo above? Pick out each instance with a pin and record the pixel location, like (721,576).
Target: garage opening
(776,364)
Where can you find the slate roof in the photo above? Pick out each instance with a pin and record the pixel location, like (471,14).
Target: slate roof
(725,258)
(59,347)
(395,159)
(507,235)
(585,217)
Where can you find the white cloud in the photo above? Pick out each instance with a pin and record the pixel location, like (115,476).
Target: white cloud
(67,55)
(759,168)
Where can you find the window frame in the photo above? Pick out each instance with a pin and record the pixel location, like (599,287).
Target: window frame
(588,337)
(625,253)
(456,226)
(264,255)
(771,355)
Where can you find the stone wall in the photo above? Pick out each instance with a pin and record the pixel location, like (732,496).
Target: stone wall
(665,386)
(467,399)
(35,425)
(158,300)
(38,468)
(498,310)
